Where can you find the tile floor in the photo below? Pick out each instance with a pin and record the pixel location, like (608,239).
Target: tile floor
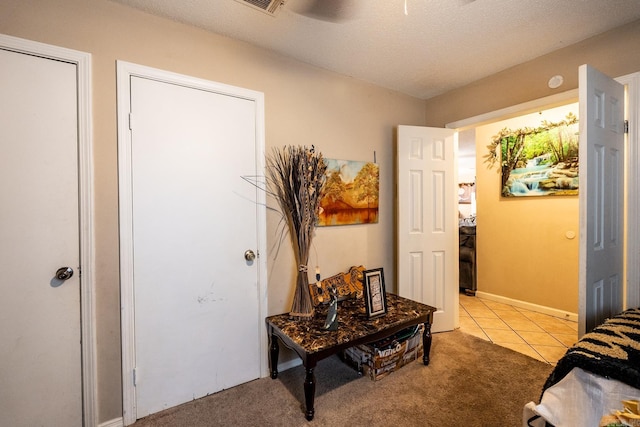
(540,336)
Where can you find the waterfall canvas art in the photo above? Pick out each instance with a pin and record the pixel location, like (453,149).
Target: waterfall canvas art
(350,194)
(540,161)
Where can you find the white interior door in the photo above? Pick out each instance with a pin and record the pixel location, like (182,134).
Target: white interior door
(39,233)
(601,198)
(198,318)
(428,221)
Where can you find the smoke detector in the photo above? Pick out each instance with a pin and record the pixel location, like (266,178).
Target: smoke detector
(555,81)
(270,7)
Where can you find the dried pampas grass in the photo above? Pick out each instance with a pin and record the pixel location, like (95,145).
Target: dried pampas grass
(295,177)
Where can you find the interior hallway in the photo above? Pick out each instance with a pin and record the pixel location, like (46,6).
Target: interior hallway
(540,336)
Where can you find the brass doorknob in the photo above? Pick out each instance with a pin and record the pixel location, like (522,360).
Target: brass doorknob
(249,255)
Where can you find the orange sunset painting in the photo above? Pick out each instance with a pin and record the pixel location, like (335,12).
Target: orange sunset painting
(351,193)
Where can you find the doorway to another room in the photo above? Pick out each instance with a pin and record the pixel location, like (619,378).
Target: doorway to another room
(527,243)
(467,211)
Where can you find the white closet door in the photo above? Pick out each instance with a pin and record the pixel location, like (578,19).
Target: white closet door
(39,233)
(197,318)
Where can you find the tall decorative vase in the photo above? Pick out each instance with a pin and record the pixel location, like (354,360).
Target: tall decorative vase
(295,177)
(302,306)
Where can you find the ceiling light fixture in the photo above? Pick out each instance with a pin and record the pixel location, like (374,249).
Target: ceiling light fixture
(406,12)
(555,81)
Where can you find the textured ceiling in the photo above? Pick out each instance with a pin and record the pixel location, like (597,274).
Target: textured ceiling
(438,46)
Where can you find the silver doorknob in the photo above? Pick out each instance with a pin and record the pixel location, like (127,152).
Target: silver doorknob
(249,255)
(64,273)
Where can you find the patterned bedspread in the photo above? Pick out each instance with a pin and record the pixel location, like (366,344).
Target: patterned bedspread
(611,350)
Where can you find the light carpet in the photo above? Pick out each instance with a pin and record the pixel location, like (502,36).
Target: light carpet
(469,382)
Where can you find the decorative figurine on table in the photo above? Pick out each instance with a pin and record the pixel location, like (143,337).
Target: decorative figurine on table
(331,324)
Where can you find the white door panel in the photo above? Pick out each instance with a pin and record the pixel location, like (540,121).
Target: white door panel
(601,198)
(427,221)
(39,232)
(197,317)
(422,269)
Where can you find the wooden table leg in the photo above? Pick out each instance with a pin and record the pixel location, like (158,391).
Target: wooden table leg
(274,349)
(426,342)
(309,392)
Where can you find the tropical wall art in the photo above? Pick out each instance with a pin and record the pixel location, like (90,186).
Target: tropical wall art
(350,193)
(541,161)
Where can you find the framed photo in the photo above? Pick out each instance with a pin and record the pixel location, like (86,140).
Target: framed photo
(375,295)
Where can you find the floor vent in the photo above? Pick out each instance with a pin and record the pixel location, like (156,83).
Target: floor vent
(267,6)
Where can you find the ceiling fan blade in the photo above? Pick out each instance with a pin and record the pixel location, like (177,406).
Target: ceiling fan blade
(328,10)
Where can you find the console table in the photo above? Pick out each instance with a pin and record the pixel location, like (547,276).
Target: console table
(312,342)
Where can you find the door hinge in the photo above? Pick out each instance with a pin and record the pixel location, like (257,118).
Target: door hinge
(626,126)
(130,121)
(135,377)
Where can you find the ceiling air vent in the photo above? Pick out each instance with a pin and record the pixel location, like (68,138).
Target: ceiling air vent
(267,6)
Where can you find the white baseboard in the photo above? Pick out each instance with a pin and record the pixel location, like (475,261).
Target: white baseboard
(561,314)
(119,422)
(289,364)
(285,365)
(116,422)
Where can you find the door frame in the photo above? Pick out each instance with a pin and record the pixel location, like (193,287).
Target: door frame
(632,165)
(125,71)
(632,187)
(82,61)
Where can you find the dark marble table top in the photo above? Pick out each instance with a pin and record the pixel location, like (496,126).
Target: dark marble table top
(353,325)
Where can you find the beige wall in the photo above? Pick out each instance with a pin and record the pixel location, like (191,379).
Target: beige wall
(615,53)
(523,252)
(344,118)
